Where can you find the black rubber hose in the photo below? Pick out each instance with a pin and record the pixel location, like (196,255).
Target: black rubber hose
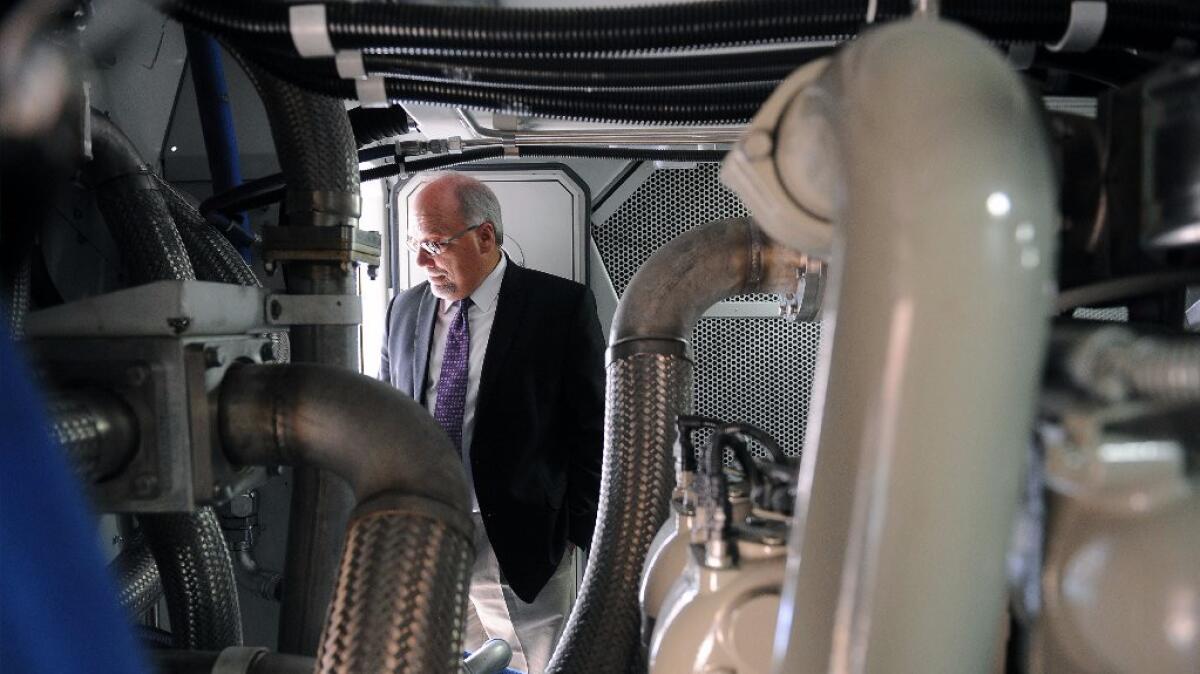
(373,125)
(243,197)
(262,198)
(737,103)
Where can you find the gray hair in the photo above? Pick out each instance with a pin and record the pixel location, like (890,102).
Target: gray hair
(477,203)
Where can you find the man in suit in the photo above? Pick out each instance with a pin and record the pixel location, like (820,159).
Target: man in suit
(510,362)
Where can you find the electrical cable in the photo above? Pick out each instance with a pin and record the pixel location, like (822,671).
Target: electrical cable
(272,192)
(1125,288)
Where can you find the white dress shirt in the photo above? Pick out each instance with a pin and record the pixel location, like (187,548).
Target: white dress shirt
(479,320)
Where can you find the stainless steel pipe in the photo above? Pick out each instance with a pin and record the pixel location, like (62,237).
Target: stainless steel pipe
(402,583)
(648,386)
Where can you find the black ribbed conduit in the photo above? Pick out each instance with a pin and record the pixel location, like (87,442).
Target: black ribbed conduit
(237,199)
(372,125)
(1141,24)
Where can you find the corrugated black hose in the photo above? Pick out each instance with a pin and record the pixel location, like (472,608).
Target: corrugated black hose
(1141,24)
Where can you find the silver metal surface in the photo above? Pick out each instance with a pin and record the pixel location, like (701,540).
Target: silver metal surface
(490,658)
(159,309)
(627,137)
(284,309)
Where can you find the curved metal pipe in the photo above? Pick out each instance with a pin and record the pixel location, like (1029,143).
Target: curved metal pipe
(97,430)
(403,578)
(317,152)
(648,387)
(942,284)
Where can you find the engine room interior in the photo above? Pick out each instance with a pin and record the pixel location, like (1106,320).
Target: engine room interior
(652,336)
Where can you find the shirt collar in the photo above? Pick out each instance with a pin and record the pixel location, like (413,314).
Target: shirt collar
(484,297)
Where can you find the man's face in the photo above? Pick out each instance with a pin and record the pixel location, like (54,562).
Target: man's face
(464,263)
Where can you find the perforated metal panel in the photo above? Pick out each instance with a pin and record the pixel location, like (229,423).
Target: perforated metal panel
(666,205)
(756,370)
(759,371)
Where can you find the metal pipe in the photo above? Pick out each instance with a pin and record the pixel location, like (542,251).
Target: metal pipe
(699,135)
(648,387)
(936,326)
(230,661)
(317,152)
(139,586)
(403,578)
(97,430)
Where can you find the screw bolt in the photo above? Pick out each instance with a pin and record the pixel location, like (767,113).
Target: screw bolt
(145,485)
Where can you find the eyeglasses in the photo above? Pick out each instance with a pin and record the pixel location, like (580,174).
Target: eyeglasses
(436,248)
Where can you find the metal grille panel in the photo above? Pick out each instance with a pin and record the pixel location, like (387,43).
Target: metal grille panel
(669,203)
(757,370)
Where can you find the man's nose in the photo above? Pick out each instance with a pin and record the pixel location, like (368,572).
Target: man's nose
(424,259)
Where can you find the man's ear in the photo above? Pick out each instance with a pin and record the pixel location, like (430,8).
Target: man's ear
(487,236)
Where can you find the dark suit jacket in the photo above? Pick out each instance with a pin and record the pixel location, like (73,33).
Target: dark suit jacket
(539,417)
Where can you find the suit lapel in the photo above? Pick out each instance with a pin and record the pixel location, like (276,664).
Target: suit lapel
(510,309)
(422,339)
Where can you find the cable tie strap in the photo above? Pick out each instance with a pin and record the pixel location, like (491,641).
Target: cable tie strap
(310,31)
(371,92)
(1085,26)
(350,65)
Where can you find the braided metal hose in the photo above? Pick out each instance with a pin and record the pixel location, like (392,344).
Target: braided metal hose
(197,576)
(134,208)
(648,386)
(139,586)
(14,305)
(404,573)
(96,429)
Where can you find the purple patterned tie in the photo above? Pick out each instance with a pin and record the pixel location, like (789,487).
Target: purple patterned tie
(452,384)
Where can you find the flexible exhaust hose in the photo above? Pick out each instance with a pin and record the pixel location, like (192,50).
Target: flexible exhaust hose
(14,305)
(1144,24)
(189,549)
(97,430)
(404,574)
(316,149)
(197,576)
(134,208)
(648,387)
(139,587)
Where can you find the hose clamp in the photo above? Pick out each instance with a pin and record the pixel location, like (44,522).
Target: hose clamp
(237,659)
(654,346)
(372,92)
(1084,28)
(350,65)
(805,303)
(310,31)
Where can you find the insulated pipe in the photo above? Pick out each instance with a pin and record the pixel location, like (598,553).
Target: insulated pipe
(648,387)
(936,325)
(316,150)
(403,579)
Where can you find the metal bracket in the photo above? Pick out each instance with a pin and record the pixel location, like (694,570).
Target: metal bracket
(283,309)
(343,244)
(805,303)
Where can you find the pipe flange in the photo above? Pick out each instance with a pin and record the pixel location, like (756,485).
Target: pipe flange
(237,659)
